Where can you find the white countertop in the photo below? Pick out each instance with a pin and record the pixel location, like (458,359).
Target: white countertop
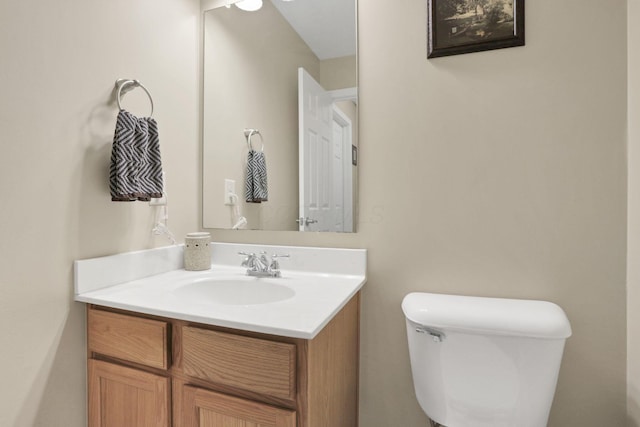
(318,295)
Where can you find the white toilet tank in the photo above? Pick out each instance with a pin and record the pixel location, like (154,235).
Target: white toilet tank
(484,362)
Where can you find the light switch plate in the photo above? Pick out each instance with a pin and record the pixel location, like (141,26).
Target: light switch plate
(229,188)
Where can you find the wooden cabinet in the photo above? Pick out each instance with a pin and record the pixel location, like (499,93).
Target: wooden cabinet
(121,396)
(150,371)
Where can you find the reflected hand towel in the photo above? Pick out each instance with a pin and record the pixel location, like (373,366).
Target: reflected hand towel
(256,190)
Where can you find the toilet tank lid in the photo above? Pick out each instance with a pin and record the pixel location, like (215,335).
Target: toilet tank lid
(494,316)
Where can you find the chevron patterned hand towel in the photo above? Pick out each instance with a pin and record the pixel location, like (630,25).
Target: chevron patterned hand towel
(256,190)
(136,166)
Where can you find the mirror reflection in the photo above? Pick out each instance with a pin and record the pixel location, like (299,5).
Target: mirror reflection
(280,127)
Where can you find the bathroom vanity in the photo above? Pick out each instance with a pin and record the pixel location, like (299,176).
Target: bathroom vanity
(169,372)
(163,360)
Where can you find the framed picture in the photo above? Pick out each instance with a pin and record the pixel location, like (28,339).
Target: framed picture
(465,26)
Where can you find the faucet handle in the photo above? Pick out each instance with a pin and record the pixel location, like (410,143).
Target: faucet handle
(275,265)
(249,259)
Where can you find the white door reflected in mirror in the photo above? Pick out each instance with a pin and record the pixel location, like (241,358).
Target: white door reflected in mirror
(325,164)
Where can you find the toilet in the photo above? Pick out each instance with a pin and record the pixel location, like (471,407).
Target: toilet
(484,362)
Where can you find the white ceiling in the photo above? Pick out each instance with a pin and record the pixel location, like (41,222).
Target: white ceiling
(327,26)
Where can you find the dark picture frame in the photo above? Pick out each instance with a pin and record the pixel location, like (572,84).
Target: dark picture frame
(464,26)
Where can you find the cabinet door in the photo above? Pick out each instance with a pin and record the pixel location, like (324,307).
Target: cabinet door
(121,396)
(203,408)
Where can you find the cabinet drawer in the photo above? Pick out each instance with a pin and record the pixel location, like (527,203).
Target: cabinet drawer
(257,365)
(128,338)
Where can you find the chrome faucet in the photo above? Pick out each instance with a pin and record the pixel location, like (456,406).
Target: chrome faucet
(261,265)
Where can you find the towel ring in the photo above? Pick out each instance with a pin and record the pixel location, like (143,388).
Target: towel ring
(248,133)
(126,85)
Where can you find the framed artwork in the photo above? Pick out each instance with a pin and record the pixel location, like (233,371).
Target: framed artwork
(464,26)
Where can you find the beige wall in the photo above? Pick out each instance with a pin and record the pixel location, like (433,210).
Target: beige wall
(633,242)
(498,173)
(507,171)
(339,73)
(60,61)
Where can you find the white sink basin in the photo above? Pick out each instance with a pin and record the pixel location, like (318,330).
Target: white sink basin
(315,284)
(236,291)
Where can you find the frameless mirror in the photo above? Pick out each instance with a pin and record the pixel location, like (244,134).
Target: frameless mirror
(280,131)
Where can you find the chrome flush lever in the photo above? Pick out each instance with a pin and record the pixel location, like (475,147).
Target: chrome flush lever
(436,336)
